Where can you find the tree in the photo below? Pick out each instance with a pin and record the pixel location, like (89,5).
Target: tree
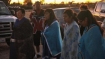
(26,1)
(7,2)
(29,3)
(42,1)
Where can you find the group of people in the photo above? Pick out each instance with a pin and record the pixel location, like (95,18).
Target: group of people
(83,36)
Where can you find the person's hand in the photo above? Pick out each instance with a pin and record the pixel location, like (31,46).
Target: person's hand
(12,40)
(33,12)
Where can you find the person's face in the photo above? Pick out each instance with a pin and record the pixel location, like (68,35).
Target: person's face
(19,14)
(47,15)
(83,22)
(37,5)
(67,19)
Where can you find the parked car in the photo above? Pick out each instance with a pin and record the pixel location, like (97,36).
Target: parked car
(99,11)
(6,22)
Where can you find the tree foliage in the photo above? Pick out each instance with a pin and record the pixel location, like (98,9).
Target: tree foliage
(26,1)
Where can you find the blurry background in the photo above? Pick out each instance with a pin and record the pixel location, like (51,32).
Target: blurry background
(27,4)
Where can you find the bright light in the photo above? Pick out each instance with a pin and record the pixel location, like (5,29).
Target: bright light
(33,1)
(16,1)
(86,0)
(56,1)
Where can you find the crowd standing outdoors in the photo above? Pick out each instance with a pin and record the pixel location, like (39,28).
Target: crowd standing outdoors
(83,35)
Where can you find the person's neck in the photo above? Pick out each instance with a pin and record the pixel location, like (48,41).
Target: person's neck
(69,22)
(20,18)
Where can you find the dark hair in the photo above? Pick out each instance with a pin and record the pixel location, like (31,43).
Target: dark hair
(52,17)
(71,13)
(91,20)
(84,6)
(22,10)
(37,2)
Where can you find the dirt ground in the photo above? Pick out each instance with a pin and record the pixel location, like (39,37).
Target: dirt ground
(4,51)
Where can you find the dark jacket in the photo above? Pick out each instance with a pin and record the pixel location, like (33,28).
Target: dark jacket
(22,33)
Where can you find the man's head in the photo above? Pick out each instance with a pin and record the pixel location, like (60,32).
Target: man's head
(83,7)
(20,13)
(37,5)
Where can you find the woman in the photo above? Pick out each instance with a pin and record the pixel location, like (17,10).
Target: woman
(51,36)
(83,7)
(71,36)
(91,44)
(22,42)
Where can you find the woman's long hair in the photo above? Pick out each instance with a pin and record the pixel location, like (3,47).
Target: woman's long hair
(71,13)
(91,20)
(51,18)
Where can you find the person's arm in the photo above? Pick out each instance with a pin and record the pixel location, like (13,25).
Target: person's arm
(94,43)
(73,40)
(31,17)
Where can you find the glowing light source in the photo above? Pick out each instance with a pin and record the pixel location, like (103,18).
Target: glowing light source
(55,1)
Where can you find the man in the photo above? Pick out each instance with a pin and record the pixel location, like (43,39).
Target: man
(36,18)
(22,38)
(83,7)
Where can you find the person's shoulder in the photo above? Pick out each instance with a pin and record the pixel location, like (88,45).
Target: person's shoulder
(55,22)
(16,19)
(75,24)
(26,19)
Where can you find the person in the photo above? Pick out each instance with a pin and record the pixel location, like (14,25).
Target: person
(83,7)
(36,17)
(22,46)
(51,36)
(71,36)
(103,27)
(91,44)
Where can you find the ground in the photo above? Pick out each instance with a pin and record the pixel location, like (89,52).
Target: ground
(4,51)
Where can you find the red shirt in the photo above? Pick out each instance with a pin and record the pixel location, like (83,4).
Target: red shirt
(38,21)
